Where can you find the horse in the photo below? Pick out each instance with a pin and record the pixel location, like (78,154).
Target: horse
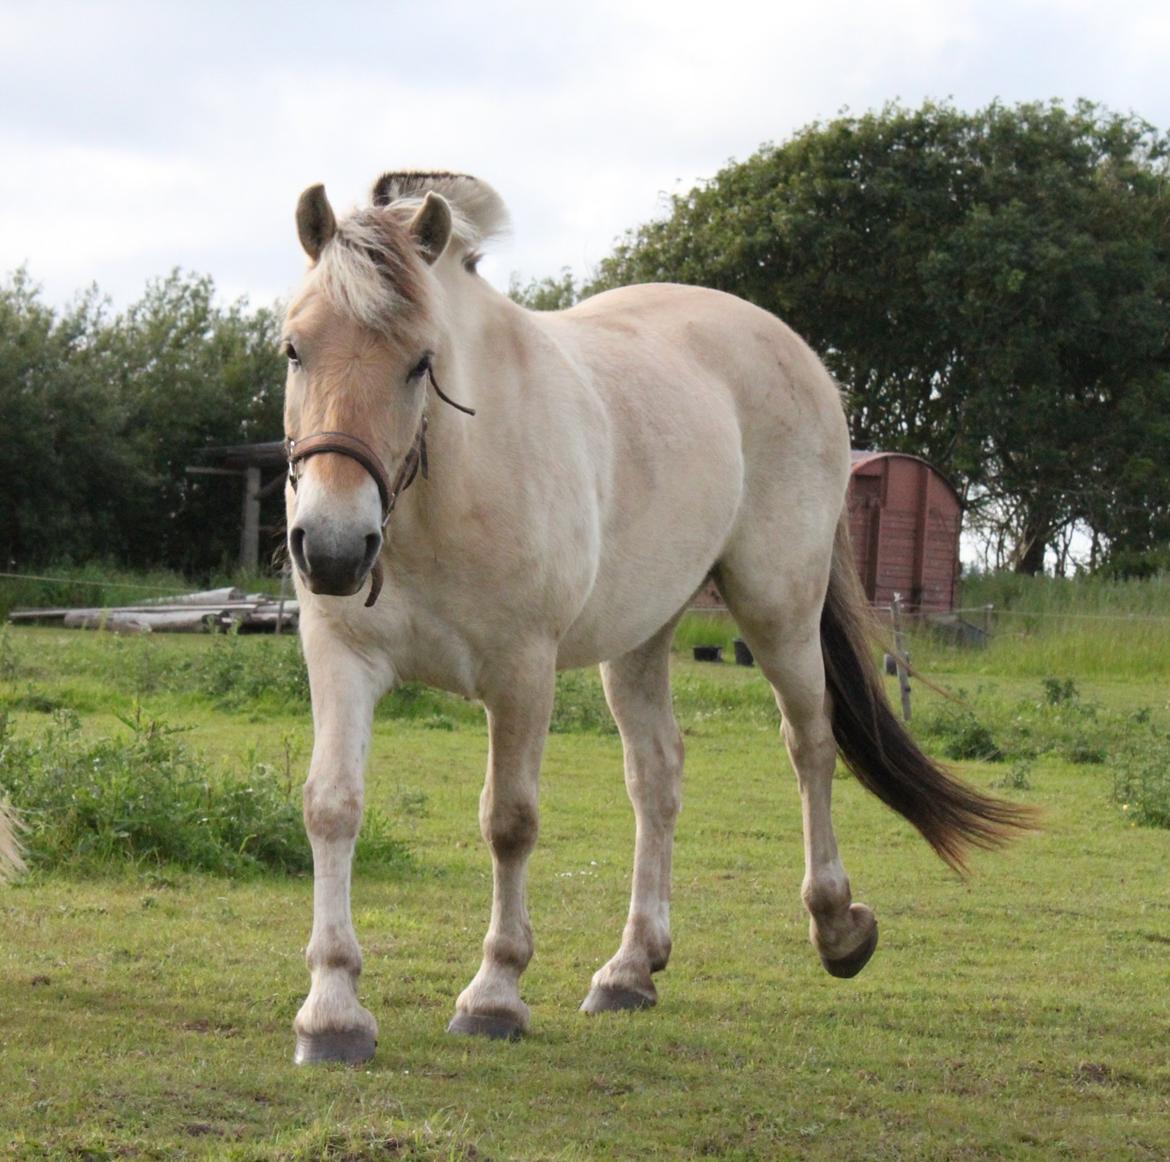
(519,493)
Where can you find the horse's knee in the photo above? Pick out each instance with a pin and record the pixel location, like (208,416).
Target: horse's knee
(332,812)
(510,829)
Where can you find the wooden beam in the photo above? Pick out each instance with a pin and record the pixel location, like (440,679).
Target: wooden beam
(250,534)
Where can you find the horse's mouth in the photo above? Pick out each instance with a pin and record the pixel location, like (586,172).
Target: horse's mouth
(329,587)
(323,588)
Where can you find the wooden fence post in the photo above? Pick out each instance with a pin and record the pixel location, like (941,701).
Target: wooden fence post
(250,533)
(900,656)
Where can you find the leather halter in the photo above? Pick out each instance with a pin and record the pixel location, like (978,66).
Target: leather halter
(343,444)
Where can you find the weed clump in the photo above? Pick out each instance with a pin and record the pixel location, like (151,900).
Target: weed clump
(961,735)
(580,706)
(1141,782)
(143,798)
(242,671)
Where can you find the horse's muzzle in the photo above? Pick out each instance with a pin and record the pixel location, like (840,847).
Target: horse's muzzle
(331,564)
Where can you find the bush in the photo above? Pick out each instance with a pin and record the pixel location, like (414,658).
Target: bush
(144,798)
(580,705)
(1141,782)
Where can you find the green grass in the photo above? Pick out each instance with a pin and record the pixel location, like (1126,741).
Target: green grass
(1024,1013)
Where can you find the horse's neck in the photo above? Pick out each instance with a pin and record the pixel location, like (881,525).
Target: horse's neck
(474,364)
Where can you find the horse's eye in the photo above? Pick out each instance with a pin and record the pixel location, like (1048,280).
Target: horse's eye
(291,353)
(420,368)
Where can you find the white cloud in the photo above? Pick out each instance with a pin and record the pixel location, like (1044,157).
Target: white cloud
(140,136)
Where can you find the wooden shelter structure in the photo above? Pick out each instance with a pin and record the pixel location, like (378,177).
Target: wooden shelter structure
(249,462)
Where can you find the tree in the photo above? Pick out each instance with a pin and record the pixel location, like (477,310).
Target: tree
(191,375)
(61,427)
(546,294)
(990,288)
(103,414)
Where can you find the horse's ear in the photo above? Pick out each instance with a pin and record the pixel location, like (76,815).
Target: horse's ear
(315,221)
(431,226)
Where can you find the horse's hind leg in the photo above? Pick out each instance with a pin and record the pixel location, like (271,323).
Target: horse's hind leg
(637,687)
(781,624)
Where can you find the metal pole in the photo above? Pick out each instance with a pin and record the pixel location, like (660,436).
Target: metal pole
(284,576)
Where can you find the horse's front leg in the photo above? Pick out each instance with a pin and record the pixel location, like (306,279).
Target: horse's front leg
(331,1024)
(519,706)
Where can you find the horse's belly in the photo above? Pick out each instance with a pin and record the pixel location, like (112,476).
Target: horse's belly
(658,544)
(619,618)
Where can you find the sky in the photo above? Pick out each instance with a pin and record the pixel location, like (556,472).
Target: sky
(139,137)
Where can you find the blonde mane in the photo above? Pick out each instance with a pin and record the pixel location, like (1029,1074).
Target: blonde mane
(371,268)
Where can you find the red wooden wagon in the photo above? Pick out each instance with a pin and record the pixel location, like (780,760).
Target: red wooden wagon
(904,518)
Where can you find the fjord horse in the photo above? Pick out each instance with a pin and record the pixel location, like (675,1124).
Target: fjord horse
(518,493)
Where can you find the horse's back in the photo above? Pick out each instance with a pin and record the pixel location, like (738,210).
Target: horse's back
(726,351)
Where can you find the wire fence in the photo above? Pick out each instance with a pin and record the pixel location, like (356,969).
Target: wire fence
(89,581)
(986,612)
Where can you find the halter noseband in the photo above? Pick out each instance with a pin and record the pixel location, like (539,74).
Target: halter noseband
(343,444)
(389,490)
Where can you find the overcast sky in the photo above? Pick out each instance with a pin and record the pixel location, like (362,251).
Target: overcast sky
(136,137)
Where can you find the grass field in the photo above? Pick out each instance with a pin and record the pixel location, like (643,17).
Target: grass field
(145,1010)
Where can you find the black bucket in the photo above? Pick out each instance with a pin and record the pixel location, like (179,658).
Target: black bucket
(708,653)
(743,655)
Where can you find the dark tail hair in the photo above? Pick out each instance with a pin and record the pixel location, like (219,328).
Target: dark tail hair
(878,749)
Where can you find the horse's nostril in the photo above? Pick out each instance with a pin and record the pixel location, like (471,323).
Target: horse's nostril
(296,546)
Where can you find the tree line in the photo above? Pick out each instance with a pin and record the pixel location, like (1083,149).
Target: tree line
(103,412)
(991,290)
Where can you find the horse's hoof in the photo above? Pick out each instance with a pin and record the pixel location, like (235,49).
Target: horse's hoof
(851,965)
(352,1048)
(603,999)
(495,1028)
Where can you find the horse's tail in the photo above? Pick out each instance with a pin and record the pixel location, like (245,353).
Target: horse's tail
(10,858)
(878,749)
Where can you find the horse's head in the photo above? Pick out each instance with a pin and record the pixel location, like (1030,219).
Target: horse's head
(364,343)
